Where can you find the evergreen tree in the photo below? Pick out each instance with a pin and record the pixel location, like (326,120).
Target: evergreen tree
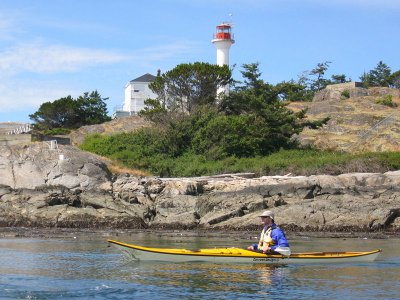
(291,91)
(56,114)
(267,124)
(188,86)
(69,113)
(380,76)
(92,109)
(319,71)
(395,80)
(339,78)
(252,120)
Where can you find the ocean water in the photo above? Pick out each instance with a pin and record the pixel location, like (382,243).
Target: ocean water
(82,265)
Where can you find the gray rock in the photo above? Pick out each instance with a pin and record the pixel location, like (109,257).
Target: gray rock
(36,165)
(37,189)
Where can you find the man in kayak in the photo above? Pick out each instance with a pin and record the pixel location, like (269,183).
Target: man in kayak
(273,239)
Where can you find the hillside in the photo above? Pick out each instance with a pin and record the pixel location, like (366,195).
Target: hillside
(357,121)
(126,124)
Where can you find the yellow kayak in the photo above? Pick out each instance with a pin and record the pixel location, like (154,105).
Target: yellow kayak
(238,255)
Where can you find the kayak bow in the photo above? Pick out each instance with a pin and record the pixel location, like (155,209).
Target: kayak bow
(238,255)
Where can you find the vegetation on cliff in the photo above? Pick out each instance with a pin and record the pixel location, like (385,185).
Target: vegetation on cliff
(250,130)
(193,122)
(146,156)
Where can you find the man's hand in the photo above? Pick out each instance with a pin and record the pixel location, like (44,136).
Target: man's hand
(250,248)
(266,249)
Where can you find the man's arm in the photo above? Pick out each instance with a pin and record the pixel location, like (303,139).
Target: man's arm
(279,237)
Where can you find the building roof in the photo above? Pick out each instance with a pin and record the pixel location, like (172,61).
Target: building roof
(144,78)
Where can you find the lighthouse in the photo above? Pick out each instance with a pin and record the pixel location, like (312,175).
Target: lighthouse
(223,40)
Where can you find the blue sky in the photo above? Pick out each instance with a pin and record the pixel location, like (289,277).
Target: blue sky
(54,48)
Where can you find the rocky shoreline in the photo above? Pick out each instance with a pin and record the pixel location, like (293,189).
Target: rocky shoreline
(59,188)
(77,233)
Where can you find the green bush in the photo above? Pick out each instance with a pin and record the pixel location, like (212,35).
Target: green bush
(226,136)
(57,131)
(386,100)
(345,94)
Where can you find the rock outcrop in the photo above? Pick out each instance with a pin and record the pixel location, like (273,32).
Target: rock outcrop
(69,188)
(358,119)
(35,165)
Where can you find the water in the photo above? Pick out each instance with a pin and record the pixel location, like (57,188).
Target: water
(82,265)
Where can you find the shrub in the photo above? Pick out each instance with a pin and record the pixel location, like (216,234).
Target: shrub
(345,94)
(57,131)
(386,100)
(151,158)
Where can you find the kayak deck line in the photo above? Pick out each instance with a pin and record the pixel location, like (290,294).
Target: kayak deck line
(232,252)
(248,254)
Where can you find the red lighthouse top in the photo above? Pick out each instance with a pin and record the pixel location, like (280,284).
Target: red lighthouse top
(223,32)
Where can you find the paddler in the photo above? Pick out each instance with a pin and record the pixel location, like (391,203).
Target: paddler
(272,239)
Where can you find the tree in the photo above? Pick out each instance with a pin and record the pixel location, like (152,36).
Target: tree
(395,80)
(252,120)
(92,109)
(154,110)
(291,91)
(69,113)
(339,78)
(189,86)
(251,75)
(253,95)
(380,76)
(56,114)
(257,103)
(319,71)
(310,82)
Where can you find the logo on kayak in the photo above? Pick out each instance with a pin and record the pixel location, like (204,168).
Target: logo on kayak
(266,259)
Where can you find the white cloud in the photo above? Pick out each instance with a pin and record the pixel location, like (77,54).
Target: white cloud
(162,52)
(18,95)
(4,25)
(8,26)
(37,58)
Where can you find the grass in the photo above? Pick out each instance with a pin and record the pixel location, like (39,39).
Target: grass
(116,167)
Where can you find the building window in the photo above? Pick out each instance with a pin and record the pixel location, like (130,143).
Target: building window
(136,91)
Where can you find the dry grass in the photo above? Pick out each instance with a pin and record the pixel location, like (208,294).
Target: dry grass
(116,168)
(349,120)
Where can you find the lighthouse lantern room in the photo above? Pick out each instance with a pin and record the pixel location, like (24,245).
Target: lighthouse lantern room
(223,32)
(223,40)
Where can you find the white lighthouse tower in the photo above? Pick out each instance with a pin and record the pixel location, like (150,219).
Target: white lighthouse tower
(223,40)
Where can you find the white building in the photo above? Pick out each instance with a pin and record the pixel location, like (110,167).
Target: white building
(136,92)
